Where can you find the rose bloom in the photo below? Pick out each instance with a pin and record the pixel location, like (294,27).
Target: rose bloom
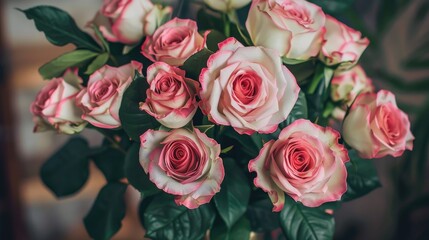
(171,98)
(306,162)
(174,42)
(342,45)
(183,163)
(101,100)
(54,106)
(226,5)
(128,21)
(294,28)
(247,88)
(375,127)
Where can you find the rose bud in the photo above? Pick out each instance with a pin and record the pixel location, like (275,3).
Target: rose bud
(174,42)
(226,5)
(306,162)
(346,86)
(183,163)
(375,127)
(343,46)
(171,97)
(247,88)
(54,106)
(128,21)
(101,100)
(294,28)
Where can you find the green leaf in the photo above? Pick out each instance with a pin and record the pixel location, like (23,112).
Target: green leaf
(111,162)
(196,63)
(213,39)
(333,6)
(361,177)
(105,217)
(298,111)
(56,67)
(303,71)
(240,230)
(59,27)
(300,222)
(135,172)
(231,202)
(65,172)
(163,219)
(98,62)
(207,21)
(135,121)
(261,215)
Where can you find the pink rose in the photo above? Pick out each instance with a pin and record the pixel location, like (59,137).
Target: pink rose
(54,106)
(128,21)
(101,100)
(183,163)
(171,98)
(294,28)
(375,127)
(174,42)
(247,88)
(342,45)
(306,162)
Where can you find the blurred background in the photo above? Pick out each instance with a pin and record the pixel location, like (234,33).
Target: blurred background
(397,60)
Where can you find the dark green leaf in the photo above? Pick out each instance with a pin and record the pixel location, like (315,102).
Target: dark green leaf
(163,219)
(208,21)
(261,215)
(300,222)
(316,99)
(111,162)
(135,121)
(105,217)
(65,172)
(98,62)
(246,144)
(231,202)
(303,71)
(213,39)
(333,6)
(361,177)
(298,111)
(135,173)
(196,63)
(56,67)
(59,27)
(240,230)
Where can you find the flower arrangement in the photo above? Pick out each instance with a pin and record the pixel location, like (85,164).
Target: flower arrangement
(224,126)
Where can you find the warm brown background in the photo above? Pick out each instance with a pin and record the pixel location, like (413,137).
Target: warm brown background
(29,211)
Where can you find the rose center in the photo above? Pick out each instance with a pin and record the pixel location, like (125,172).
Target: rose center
(103,90)
(389,124)
(167,84)
(297,13)
(246,87)
(182,160)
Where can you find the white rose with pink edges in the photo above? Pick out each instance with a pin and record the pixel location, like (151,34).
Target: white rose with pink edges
(247,88)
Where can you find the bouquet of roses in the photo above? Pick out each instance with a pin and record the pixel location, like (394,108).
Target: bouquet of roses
(225,125)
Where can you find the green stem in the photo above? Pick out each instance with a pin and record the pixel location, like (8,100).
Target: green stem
(226,25)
